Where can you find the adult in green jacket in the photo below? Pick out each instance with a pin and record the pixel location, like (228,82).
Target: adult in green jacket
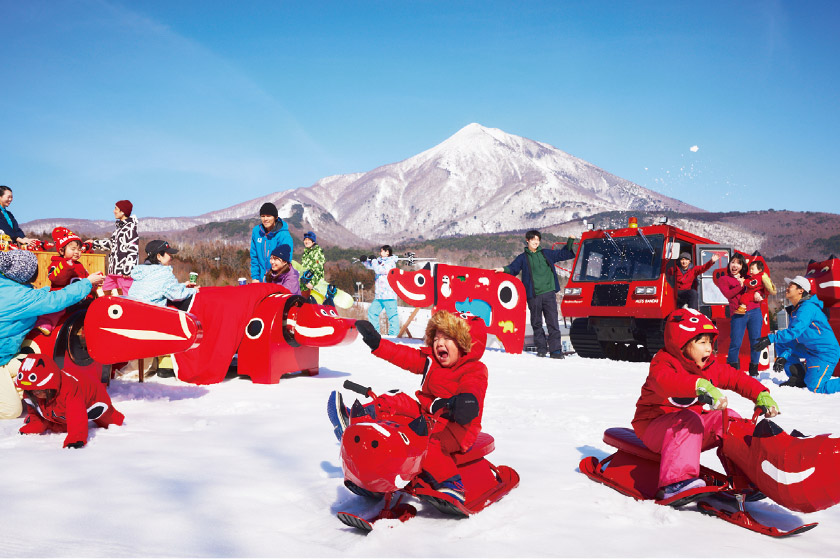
(541,286)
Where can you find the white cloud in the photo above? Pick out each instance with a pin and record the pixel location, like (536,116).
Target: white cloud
(694,148)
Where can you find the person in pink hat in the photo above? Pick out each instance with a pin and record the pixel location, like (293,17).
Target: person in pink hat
(124,247)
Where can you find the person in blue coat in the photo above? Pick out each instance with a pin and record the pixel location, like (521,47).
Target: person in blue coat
(808,337)
(541,287)
(266,237)
(20,306)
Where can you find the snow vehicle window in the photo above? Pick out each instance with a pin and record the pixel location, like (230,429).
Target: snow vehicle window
(709,291)
(619,259)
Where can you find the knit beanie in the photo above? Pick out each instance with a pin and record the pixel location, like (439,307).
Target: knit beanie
(17,265)
(282,252)
(125,207)
(62,236)
(268,209)
(310,235)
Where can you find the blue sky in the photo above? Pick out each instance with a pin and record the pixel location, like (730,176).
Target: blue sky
(186,107)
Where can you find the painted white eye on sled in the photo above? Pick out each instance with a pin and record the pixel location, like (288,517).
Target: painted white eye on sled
(826,268)
(324,313)
(115,311)
(33,377)
(693,320)
(419,280)
(507,295)
(333,313)
(20,376)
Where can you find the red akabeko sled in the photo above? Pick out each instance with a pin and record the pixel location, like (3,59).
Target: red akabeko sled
(272,332)
(383,458)
(761,460)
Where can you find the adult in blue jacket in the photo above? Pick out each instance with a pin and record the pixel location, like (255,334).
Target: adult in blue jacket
(20,306)
(808,337)
(266,237)
(541,287)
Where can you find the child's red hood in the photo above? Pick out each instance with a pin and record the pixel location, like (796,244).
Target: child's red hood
(680,327)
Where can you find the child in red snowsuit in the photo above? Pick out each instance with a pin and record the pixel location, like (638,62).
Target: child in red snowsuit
(758,282)
(669,418)
(454,382)
(60,402)
(64,269)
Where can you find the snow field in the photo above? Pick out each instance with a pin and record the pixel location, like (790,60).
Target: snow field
(245,470)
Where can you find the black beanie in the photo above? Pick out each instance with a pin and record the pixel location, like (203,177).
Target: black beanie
(268,209)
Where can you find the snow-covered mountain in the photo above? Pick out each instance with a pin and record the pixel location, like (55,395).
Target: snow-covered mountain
(480,180)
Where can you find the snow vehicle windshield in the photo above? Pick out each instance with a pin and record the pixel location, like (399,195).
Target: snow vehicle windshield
(620,259)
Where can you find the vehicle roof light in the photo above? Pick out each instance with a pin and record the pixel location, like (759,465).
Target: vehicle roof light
(632,222)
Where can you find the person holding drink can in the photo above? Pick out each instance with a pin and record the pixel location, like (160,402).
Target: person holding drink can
(154,281)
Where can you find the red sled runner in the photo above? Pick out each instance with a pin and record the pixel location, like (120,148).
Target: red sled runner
(382,459)
(761,460)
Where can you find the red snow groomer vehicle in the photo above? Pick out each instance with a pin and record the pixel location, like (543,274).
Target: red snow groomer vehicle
(619,293)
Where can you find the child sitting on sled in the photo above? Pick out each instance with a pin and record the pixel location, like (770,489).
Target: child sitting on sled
(758,282)
(59,402)
(64,269)
(454,383)
(669,417)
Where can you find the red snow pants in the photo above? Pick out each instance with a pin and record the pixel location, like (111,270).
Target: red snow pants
(680,437)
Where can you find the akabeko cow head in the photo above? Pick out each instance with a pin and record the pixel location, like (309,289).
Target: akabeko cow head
(416,288)
(799,473)
(120,329)
(825,278)
(38,372)
(320,325)
(384,456)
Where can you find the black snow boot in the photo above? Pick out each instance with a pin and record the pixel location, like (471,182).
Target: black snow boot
(754,370)
(736,365)
(797,377)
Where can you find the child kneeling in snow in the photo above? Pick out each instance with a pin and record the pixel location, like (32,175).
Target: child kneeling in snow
(454,379)
(669,418)
(59,402)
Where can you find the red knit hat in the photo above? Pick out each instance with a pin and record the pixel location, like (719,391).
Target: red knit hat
(125,206)
(62,236)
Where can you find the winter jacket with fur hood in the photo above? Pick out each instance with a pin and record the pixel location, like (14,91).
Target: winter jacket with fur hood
(468,375)
(671,384)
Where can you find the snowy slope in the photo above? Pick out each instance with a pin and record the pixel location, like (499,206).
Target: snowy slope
(244,470)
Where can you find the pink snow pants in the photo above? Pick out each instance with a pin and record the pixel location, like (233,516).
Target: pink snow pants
(680,437)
